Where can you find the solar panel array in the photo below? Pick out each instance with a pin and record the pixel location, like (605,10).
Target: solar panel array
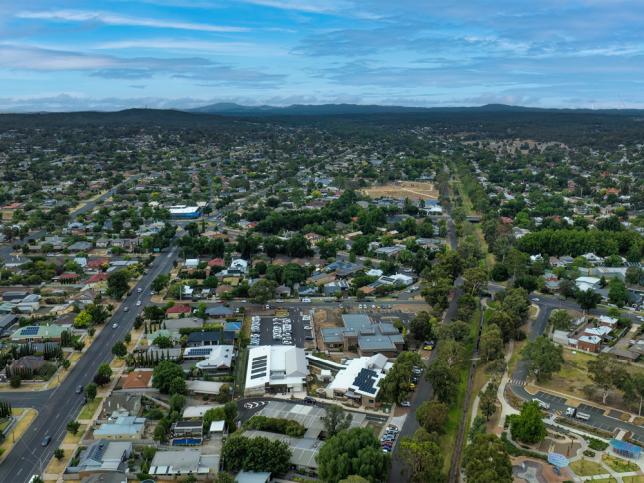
(30,330)
(198,351)
(258,367)
(364,381)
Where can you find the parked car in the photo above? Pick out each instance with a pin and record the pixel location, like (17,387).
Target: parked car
(125,309)
(405,404)
(115,325)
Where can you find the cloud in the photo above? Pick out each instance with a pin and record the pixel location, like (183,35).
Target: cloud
(108,18)
(192,45)
(112,67)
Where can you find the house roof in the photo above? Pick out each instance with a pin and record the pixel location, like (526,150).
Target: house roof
(179,309)
(138,379)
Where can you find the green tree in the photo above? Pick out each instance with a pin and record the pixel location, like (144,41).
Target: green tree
(587,299)
(352,452)
(617,292)
(165,376)
(633,387)
(485,459)
(90,391)
(335,420)
(73,426)
(256,454)
(15,381)
(491,343)
(528,427)
(487,400)
(544,357)
(474,280)
(424,458)
(422,326)
(83,320)
(163,342)
(432,416)
(262,290)
(59,453)
(103,374)
(444,380)
(119,349)
(436,293)
(606,372)
(397,383)
(633,275)
(117,284)
(560,319)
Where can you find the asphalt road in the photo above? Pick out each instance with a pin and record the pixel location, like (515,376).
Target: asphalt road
(59,406)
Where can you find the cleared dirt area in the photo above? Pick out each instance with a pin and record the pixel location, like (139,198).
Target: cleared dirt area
(414,190)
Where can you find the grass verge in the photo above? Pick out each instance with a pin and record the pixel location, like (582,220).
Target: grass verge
(88,410)
(584,467)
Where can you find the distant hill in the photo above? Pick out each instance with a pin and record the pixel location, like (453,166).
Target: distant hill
(232,109)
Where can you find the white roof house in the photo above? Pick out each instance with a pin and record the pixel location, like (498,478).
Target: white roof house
(192,262)
(214,356)
(239,264)
(345,380)
(587,283)
(278,367)
(601,331)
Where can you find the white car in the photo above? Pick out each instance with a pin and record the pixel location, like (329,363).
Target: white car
(138,303)
(115,325)
(405,404)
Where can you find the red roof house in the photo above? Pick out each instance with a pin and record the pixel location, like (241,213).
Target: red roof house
(177,310)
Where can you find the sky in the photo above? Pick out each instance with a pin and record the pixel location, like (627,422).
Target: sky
(58,55)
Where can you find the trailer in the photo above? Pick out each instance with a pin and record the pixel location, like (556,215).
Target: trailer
(582,416)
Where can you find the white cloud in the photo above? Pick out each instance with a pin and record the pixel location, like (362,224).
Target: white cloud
(234,48)
(108,18)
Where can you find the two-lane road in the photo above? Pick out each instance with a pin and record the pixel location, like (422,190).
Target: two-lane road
(61,405)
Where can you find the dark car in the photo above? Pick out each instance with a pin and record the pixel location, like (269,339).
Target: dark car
(309,400)
(79,389)
(45,440)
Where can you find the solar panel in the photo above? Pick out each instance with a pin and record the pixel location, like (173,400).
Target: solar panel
(29,330)
(199,352)
(364,381)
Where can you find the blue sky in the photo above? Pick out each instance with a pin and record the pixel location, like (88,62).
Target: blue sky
(114,54)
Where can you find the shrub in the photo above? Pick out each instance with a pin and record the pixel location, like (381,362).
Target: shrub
(276,425)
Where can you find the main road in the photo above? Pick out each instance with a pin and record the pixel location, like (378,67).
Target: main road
(60,405)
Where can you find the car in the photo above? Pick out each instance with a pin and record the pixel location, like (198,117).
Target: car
(309,400)
(306,301)
(125,309)
(267,307)
(138,303)
(405,404)
(45,441)
(79,389)
(152,292)
(542,404)
(115,325)
(139,290)
(393,427)
(385,450)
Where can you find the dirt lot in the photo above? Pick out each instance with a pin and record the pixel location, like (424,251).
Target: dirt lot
(414,190)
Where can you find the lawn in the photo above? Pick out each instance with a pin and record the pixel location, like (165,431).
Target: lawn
(584,467)
(573,375)
(633,479)
(56,467)
(75,438)
(619,465)
(88,410)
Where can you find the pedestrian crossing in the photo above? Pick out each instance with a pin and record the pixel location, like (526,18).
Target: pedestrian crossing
(518,382)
